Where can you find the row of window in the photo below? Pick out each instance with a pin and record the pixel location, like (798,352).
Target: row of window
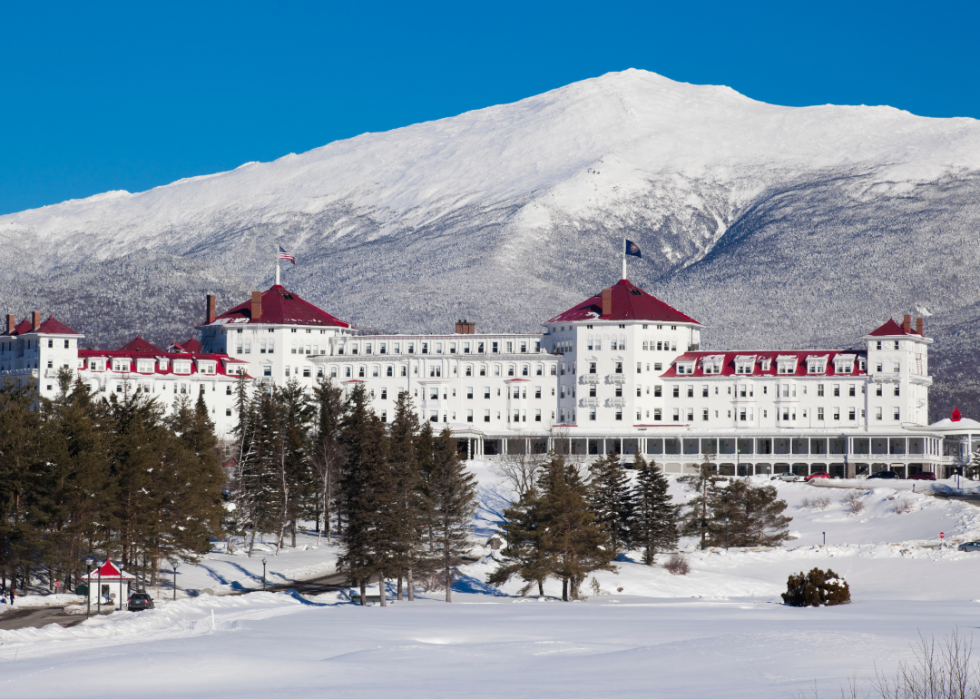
(435,347)
(37,344)
(435,370)
(748,414)
(145,366)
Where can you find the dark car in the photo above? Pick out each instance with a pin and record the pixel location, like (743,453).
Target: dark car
(818,474)
(884,474)
(138,601)
(924,476)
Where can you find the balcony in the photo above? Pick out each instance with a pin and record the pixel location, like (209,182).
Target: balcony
(590,378)
(589,402)
(886,377)
(616,378)
(617,402)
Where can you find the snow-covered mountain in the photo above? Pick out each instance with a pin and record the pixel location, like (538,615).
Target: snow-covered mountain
(773,225)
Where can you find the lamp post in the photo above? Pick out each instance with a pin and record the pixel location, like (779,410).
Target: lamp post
(98,589)
(88,577)
(263,573)
(174,563)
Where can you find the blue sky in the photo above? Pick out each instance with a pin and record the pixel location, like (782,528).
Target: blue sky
(102,96)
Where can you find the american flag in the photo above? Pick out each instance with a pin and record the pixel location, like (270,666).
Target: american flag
(283,255)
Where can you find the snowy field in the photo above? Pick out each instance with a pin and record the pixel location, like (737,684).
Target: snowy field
(720,631)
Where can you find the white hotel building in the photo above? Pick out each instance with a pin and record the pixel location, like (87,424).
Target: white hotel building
(622,371)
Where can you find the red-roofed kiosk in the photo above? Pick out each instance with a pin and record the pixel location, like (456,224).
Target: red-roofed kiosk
(108,585)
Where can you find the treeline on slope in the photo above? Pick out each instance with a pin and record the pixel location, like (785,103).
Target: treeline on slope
(397,495)
(565,525)
(83,476)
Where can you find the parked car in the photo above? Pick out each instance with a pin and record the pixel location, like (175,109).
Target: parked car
(884,474)
(924,476)
(138,601)
(818,474)
(969,546)
(788,476)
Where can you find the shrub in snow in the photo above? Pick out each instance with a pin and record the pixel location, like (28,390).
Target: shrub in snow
(821,503)
(853,502)
(903,506)
(676,565)
(816,589)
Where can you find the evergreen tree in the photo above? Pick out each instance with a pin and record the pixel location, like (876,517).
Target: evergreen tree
(654,523)
(522,553)
(403,460)
(571,541)
(326,448)
(611,500)
(452,499)
(748,515)
(697,514)
(296,417)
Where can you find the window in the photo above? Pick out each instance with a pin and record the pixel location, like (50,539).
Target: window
(384,394)
(619,367)
(898,411)
(658,414)
(836,390)
(592,367)
(267,370)
(690,414)
(537,391)
(677,415)
(486,416)
(486,392)
(469,416)
(896,344)
(704,414)
(837,413)
(704,390)
(690,391)
(677,391)
(639,367)
(468,370)
(820,390)
(639,391)
(878,413)
(898,390)
(434,416)
(228,391)
(619,414)
(852,414)
(852,390)
(878,389)
(592,414)
(658,391)
(537,416)
(525,369)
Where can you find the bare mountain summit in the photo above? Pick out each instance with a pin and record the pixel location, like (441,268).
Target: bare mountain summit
(775,226)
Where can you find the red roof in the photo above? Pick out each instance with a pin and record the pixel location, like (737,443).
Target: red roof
(728,363)
(891,329)
(219,359)
(53,326)
(108,571)
(629,302)
(280,307)
(138,344)
(192,345)
(22,328)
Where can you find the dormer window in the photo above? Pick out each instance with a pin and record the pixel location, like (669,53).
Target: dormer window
(712,364)
(744,364)
(816,365)
(182,366)
(206,367)
(144,366)
(685,367)
(120,365)
(786,364)
(844,363)
(766,363)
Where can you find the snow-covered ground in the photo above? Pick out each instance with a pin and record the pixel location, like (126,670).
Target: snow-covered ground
(719,631)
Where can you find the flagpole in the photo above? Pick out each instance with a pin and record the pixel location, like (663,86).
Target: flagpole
(277,264)
(624,257)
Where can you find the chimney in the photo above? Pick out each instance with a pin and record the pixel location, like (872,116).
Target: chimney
(607,302)
(256,305)
(210,312)
(11,323)
(918,326)
(464,327)
(35,320)
(907,323)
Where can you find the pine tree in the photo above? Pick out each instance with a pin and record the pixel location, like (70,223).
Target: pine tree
(403,460)
(654,523)
(611,500)
(326,448)
(522,553)
(296,416)
(571,541)
(697,514)
(748,515)
(452,498)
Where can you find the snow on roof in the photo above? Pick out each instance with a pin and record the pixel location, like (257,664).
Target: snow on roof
(730,359)
(280,307)
(224,365)
(629,302)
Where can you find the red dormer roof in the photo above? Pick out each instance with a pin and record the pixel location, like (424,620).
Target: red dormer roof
(728,363)
(280,307)
(22,328)
(891,329)
(138,344)
(629,302)
(192,345)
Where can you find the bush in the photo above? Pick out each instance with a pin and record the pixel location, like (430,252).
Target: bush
(815,503)
(853,501)
(676,565)
(815,589)
(903,506)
